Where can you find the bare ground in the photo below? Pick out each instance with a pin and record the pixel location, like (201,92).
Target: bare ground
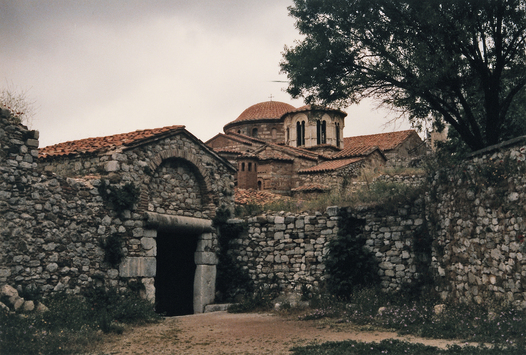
(248,333)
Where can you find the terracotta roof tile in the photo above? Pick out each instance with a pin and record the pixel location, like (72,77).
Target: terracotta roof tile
(330,165)
(359,145)
(296,152)
(265,110)
(101,144)
(226,150)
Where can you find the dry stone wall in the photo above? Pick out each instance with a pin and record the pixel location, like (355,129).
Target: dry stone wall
(53,227)
(287,250)
(478,219)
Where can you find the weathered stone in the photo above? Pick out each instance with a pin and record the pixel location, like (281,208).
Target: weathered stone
(138,267)
(204,287)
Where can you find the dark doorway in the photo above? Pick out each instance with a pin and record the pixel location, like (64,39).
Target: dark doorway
(174,281)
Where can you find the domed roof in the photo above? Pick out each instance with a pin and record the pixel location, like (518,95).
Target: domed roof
(264,110)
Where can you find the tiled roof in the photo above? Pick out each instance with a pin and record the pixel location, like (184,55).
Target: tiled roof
(311,187)
(233,136)
(384,141)
(245,138)
(101,144)
(226,150)
(265,110)
(291,151)
(272,154)
(355,151)
(330,165)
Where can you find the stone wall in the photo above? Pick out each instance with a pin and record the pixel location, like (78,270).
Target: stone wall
(53,227)
(335,179)
(476,211)
(287,250)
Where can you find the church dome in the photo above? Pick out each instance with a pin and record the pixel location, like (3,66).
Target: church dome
(264,110)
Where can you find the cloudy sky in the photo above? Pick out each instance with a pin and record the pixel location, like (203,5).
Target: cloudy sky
(101,67)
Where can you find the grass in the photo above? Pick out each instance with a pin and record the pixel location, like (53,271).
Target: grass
(497,325)
(384,194)
(396,347)
(73,324)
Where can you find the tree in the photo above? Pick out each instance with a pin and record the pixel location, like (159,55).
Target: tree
(456,62)
(18,103)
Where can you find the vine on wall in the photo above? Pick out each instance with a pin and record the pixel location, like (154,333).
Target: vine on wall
(121,197)
(231,279)
(349,263)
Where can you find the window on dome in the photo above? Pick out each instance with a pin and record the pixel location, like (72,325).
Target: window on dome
(300,133)
(321,132)
(254,132)
(337,127)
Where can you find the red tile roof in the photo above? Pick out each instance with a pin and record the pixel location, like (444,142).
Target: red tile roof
(265,110)
(227,151)
(353,146)
(102,144)
(294,151)
(330,165)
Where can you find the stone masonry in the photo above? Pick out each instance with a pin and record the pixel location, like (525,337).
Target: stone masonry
(287,250)
(52,226)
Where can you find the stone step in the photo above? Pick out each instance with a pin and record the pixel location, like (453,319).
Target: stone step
(217,307)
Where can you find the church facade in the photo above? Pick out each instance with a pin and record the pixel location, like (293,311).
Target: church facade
(282,149)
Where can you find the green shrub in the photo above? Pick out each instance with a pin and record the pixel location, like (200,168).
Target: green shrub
(407,314)
(231,279)
(261,300)
(71,324)
(121,197)
(397,347)
(113,249)
(349,263)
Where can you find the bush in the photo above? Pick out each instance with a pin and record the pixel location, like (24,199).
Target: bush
(410,315)
(348,262)
(71,324)
(231,279)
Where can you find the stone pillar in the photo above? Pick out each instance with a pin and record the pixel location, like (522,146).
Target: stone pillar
(204,280)
(204,286)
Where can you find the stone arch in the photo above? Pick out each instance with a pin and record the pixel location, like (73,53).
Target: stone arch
(202,176)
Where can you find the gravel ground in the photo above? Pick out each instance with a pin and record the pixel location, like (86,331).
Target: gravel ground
(248,333)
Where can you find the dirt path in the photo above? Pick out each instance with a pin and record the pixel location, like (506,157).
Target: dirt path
(226,333)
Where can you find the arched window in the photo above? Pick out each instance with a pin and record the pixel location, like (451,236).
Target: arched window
(337,127)
(242,166)
(249,166)
(274,133)
(321,130)
(300,133)
(254,132)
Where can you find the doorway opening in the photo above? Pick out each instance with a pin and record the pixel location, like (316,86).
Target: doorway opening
(174,280)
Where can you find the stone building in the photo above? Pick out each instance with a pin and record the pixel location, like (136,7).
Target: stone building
(59,212)
(283,149)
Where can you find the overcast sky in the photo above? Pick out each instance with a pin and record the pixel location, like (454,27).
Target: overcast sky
(101,67)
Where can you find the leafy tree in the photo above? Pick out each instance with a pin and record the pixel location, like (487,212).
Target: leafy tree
(456,62)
